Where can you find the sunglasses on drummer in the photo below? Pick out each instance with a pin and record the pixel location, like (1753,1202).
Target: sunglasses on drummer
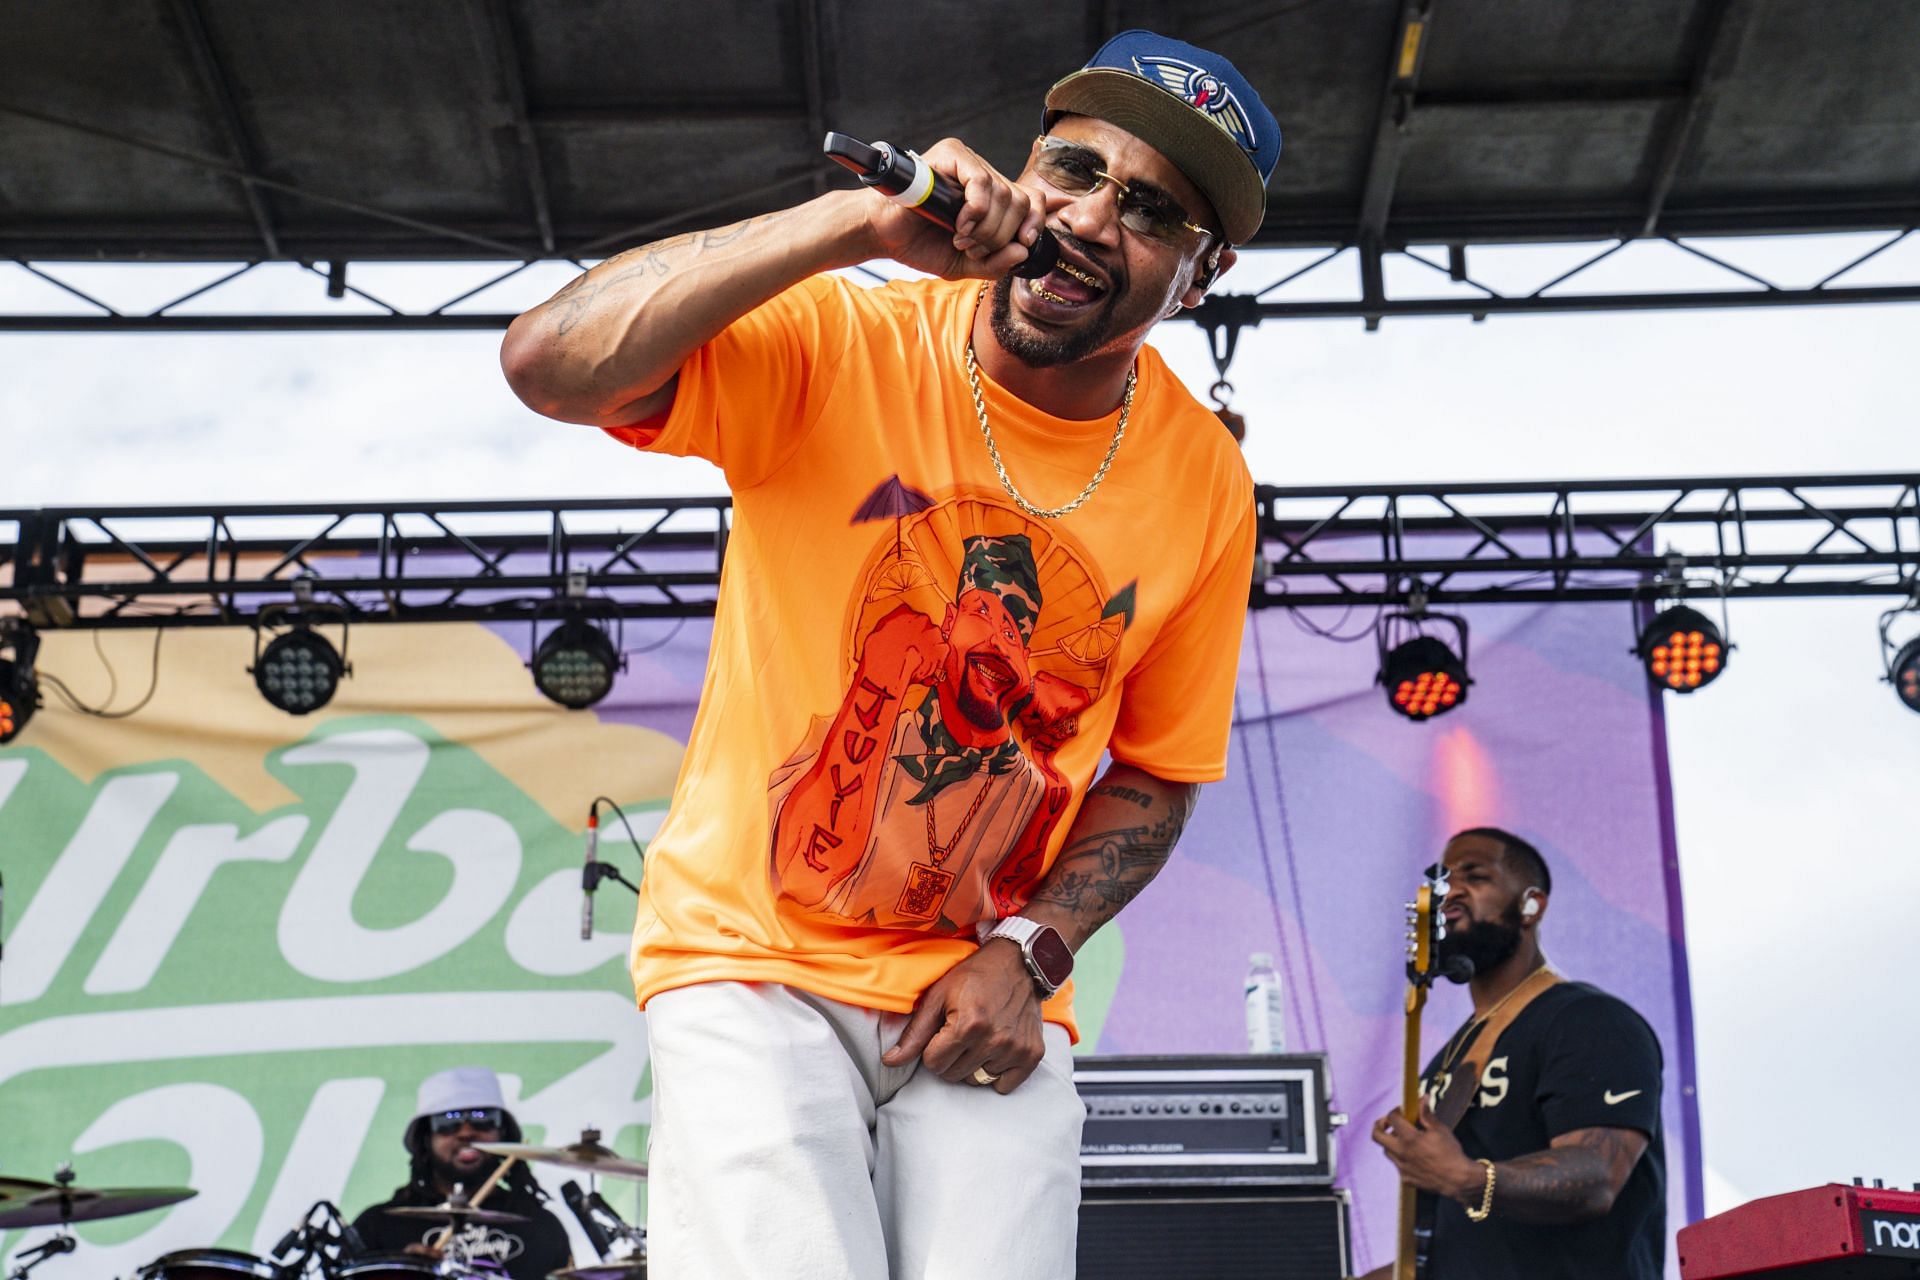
(477,1117)
(1076,170)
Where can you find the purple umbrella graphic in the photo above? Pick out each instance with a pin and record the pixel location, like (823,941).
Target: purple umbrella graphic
(893,501)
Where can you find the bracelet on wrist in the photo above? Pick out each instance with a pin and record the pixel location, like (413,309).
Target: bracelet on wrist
(1486,1198)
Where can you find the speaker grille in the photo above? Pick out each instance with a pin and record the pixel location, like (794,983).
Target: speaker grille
(1157,1235)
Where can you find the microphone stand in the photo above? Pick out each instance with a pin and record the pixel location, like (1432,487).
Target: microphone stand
(31,1258)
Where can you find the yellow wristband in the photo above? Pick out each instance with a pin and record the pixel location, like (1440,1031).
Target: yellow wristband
(1486,1198)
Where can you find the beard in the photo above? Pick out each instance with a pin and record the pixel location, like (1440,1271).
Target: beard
(980,712)
(1040,350)
(1487,943)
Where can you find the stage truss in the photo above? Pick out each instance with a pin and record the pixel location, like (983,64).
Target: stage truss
(1359,280)
(1606,540)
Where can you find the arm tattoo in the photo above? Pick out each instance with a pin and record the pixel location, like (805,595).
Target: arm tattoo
(1119,792)
(572,303)
(1576,1180)
(1101,872)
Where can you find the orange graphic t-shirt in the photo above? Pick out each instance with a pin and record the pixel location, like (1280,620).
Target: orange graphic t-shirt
(911,682)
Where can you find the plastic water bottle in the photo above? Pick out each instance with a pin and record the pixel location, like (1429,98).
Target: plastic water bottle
(1265,1029)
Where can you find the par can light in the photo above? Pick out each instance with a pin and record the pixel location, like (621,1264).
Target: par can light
(1905,674)
(1682,650)
(19,699)
(575,664)
(1424,678)
(298,671)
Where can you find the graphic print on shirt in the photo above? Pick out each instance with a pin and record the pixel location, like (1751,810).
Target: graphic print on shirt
(926,799)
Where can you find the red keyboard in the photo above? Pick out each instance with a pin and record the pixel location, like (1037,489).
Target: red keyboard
(1822,1233)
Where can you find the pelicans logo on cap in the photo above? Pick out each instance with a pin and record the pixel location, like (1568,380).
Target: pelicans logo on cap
(1202,90)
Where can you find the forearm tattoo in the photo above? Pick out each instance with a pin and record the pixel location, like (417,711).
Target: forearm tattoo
(584,292)
(1099,873)
(1576,1182)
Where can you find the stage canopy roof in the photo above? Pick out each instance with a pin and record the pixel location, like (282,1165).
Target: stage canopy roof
(509,129)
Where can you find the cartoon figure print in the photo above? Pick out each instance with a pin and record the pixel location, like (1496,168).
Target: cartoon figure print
(926,801)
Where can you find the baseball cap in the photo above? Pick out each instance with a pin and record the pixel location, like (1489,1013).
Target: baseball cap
(1193,107)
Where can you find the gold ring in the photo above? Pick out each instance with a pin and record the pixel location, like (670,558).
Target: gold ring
(983,1076)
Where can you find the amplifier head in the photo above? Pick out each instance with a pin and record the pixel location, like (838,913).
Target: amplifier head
(1225,1120)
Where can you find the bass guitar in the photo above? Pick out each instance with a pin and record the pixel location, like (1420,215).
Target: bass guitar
(1425,929)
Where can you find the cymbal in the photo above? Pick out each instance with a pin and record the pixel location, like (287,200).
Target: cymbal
(585,1154)
(456,1212)
(20,1188)
(635,1269)
(51,1205)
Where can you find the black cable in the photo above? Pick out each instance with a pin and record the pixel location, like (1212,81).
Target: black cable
(67,695)
(605,871)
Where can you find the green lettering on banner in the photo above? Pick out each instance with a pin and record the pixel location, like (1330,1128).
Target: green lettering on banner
(194,993)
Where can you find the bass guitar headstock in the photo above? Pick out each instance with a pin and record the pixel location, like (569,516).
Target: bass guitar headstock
(1426,927)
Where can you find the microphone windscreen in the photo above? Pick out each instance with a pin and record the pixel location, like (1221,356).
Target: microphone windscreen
(1458,968)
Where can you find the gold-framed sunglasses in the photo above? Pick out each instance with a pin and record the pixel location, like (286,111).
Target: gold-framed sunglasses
(1073,169)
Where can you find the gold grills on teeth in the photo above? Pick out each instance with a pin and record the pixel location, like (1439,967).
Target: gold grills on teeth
(1048,294)
(1082,276)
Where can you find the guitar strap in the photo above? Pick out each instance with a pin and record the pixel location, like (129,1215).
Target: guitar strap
(1470,1062)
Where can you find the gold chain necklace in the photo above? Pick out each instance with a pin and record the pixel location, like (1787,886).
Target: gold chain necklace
(941,852)
(1473,1025)
(1006,481)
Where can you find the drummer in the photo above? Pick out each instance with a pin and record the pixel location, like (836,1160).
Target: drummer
(456,1108)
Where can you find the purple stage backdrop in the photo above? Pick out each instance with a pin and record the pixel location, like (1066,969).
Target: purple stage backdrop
(1315,840)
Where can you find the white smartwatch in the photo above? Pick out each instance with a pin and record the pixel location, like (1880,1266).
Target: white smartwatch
(1048,957)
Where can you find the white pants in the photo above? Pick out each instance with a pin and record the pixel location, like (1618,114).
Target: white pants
(782,1149)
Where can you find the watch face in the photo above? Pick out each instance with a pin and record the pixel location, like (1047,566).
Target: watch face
(1052,956)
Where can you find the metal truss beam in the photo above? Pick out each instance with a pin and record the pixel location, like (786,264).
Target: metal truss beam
(1783,536)
(193,24)
(1719,33)
(816,45)
(1749,537)
(1383,161)
(497,24)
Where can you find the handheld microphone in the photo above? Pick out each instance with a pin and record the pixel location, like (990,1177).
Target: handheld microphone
(908,180)
(577,1203)
(590,873)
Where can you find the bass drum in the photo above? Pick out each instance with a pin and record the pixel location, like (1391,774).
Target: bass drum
(396,1266)
(208,1264)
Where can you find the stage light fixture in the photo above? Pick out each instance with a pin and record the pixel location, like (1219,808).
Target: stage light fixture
(19,687)
(1423,677)
(1903,664)
(1905,674)
(575,664)
(1682,650)
(19,699)
(298,671)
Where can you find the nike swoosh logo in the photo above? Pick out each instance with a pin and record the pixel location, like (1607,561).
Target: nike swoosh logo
(1615,1099)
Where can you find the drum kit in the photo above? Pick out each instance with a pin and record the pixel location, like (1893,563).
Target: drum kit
(318,1246)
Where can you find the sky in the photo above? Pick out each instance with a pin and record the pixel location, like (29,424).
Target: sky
(1793,774)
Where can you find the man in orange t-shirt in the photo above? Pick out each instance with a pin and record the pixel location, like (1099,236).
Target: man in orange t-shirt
(892,829)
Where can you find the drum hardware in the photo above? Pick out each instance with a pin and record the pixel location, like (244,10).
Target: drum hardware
(619,1244)
(31,1258)
(634,1270)
(587,1155)
(323,1236)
